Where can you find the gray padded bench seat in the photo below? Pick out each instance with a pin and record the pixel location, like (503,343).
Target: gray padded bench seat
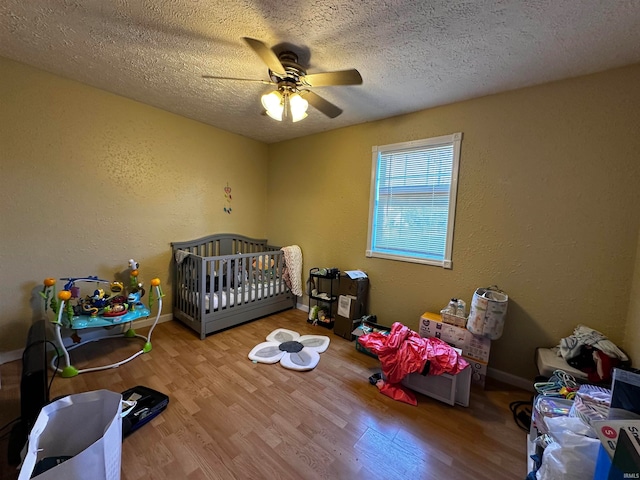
(547,361)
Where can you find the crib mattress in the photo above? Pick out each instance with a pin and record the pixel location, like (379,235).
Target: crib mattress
(547,361)
(248,295)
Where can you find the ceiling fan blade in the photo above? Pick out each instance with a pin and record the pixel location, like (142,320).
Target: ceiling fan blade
(327,79)
(267,55)
(264,82)
(325,106)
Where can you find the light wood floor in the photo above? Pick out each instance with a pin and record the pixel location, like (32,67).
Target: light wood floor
(230,418)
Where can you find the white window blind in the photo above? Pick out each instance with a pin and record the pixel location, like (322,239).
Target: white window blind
(413,195)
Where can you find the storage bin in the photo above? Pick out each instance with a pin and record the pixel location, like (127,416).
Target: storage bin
(451,389)
(368,327)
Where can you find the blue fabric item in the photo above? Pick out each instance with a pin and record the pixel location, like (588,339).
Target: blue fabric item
(537,462)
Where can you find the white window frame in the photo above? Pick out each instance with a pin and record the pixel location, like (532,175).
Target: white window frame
(453,140)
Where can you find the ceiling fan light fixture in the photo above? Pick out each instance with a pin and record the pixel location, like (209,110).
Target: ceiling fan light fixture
(298,107)
(285,105)
(273,103)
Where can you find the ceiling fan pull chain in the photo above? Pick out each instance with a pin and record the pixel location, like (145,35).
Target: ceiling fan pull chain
(286,114)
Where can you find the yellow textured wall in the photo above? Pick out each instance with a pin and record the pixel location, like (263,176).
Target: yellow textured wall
(632,336)
(547,209)
(90,179)
(547,201)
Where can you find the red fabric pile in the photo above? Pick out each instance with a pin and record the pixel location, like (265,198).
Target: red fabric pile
(403,351)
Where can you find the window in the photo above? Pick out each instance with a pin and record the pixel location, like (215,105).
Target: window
(413,200)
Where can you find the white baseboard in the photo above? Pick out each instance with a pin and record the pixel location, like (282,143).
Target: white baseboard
(6,357)
(89,334)
(510,379)
(147,322)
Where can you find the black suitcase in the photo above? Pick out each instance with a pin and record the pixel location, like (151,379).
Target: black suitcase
(149,403)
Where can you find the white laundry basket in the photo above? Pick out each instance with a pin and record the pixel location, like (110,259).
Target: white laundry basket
(488,312)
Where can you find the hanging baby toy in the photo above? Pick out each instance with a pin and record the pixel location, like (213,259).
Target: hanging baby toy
(227,196)
(137,291)
(133,275)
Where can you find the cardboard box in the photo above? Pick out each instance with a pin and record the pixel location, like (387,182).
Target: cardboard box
(348,306)
(619,434)
(347,317)
(625,462)
(454,320)
(474,347)
(609,431)
(627,456)
(358,288)
(344,327)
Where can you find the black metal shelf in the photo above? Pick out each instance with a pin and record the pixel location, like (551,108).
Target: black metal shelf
(329,305)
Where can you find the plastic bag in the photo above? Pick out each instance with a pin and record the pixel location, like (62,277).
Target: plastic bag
(83,431)
(573,455)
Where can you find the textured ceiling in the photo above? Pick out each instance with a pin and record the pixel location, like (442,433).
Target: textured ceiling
(412,54)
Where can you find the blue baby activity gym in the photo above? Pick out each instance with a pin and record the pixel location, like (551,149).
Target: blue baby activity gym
(93,302)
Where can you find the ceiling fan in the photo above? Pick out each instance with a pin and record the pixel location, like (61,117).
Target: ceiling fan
(292,96)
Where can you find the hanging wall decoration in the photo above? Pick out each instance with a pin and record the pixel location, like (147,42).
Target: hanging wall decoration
(227,197)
